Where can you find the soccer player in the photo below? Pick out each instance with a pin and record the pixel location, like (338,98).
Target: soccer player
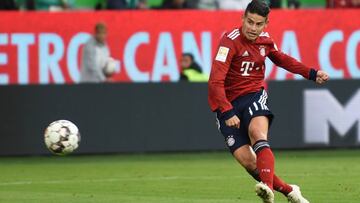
(237,95)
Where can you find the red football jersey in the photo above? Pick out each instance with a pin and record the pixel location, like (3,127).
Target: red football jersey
(239,67)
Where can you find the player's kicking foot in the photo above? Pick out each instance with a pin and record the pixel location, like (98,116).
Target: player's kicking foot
(295,195)
(264,192)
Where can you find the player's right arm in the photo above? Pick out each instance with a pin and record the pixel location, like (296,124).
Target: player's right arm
(220,67)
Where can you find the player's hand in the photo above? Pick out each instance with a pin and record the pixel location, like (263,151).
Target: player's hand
(321,77)
(233,122)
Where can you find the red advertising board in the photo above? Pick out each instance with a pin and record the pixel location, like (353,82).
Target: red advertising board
(43,48)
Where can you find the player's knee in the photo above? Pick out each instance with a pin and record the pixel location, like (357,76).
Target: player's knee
(260,145)
(257,134)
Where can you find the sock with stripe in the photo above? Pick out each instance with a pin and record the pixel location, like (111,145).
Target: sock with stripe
(281,186)
(265,162)
(278,184)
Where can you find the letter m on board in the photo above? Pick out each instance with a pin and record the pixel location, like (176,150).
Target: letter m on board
(322,110)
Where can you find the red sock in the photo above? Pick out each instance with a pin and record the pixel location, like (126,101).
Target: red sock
(265,165)
(281,186)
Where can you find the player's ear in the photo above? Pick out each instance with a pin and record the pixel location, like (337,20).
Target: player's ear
(266,22)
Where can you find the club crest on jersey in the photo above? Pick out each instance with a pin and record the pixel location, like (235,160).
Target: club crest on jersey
(262,51)
(230,141)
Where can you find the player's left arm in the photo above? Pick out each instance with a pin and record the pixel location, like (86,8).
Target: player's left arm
(292,65)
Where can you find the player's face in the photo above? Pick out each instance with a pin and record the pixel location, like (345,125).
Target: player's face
(100,36)
(253,25)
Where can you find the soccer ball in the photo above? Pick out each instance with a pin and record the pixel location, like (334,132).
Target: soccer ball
(62,137)
(110,67)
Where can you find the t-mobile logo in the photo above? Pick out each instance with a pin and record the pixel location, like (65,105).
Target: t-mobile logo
(246,67)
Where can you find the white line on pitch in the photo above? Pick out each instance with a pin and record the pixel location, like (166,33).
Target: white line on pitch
(30,182)
(160,178)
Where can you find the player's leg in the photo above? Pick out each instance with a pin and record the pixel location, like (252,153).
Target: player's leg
(246,156)
(258,130)
(257,117)
(247,159)
(238,142)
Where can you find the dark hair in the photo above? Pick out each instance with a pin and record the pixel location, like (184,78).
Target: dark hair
(189,55)
(259,7)
(100,27)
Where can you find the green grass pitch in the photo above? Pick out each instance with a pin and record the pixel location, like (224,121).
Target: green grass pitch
(325,176)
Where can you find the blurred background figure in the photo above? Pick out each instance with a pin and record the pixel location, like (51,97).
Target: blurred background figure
(207,4)
(190,70)
(176,4)
(241,4)
(141,4)
(222,4)
(55,5)
(97,65)
(275,3)
(233,4)
(47,5)
(291,4)
(8,5)
(343,3)
(123,4)
(116,4)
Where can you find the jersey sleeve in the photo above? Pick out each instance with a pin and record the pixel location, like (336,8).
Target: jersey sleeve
(290,64)
(220,66)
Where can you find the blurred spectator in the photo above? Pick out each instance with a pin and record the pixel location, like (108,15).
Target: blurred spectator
(116,4)
(141,4)
(275,3)
(343,3)
(222,4)
(122,4)
(207,4)
(190,70)
(175,4)
(293,4)
(52,5)
(233,4)
(95,56)
(138,4)
(242,4)
(30,5)
(8,5)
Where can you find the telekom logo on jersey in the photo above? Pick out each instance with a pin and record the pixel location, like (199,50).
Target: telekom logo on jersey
(246,67)
(322,110)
